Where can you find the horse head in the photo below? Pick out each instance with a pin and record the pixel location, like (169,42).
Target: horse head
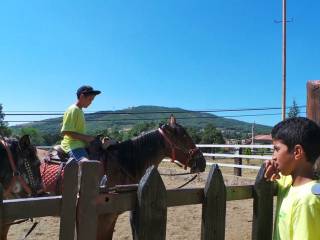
(181,147)
(21,168)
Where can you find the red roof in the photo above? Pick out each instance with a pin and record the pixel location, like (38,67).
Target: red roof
(263,137)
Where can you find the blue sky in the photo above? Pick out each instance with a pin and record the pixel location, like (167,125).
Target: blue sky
(210,54)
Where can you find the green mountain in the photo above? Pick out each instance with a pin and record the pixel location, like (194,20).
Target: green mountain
(126,118)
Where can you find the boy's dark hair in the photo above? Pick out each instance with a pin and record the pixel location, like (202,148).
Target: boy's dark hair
(299,130)
(87,90)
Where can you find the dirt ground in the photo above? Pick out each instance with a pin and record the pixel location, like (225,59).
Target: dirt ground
(183,223)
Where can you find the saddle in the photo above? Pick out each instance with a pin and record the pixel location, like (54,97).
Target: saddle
(58,154)
(52,169)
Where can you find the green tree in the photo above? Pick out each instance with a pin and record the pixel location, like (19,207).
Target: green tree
(4,130)
(194,133)
(212,135)
(51,139)
(139,128)
(113,133)
(36,137)
(294,110)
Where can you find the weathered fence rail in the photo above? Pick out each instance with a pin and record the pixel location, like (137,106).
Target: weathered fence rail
(151,200)
(63,206)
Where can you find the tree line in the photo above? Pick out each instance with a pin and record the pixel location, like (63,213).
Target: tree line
(207,135)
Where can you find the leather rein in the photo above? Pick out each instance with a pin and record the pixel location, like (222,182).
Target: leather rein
(16,175)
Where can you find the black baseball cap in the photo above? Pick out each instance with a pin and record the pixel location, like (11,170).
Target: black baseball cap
(316,189)
(87,90)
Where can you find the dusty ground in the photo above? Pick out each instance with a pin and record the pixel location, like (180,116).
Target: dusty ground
(183,222)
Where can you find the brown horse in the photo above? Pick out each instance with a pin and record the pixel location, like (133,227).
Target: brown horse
(19,171)
(126,162)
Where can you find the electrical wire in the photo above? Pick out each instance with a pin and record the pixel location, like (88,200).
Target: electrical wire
(155,119)
(122,112)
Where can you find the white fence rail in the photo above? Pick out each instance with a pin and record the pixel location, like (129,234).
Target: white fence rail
(237,156)
(234,146)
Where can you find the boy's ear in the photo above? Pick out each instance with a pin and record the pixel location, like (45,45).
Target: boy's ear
(298,152)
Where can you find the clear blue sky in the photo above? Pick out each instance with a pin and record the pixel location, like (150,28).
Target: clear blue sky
(210,54)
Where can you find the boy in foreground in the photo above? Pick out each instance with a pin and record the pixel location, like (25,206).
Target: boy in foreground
(296,148)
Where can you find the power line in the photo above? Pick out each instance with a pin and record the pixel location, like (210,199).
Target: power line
(155,119)
(49,113)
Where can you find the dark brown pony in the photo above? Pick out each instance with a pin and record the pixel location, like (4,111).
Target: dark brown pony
(126,162)
(19,171)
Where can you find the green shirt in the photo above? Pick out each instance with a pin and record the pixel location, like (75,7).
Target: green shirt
(73,121)
(298,212)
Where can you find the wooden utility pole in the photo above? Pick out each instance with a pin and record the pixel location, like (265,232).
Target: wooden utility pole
(252,133)
(313,100)
(284,57)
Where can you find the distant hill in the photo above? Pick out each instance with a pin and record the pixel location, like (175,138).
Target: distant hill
(126,118)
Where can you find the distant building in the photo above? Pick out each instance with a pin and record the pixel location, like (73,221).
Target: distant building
(260,139)
(233,141)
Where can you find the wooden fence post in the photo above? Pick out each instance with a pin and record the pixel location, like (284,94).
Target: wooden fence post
(69,201)
(150,218)
(214,206)
(238,161)
(313,109)
(313,100)
(262,223)
(1,210)
(89,190)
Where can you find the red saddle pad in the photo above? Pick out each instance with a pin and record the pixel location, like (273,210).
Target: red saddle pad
(52,176)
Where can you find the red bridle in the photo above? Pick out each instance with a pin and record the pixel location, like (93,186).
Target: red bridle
(190,153)
(16,176)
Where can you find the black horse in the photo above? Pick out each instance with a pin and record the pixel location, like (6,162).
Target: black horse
(19,171)
(126,162)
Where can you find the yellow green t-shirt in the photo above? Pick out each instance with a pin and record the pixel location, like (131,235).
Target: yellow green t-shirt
(73,121)
(298,212)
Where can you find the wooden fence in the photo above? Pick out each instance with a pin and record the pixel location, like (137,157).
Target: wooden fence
(62,206)
(150,203)
(151,200)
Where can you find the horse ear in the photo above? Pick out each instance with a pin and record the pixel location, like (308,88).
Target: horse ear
(24,141)
(172,120)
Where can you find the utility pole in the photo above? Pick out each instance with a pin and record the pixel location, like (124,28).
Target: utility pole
(252,133)
(284,57)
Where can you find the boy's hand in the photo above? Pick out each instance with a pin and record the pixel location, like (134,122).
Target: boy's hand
(271,172)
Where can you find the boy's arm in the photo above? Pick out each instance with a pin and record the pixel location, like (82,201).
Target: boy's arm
(79,136)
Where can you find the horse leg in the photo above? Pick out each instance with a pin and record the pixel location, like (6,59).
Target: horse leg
(4,233)
(106,223)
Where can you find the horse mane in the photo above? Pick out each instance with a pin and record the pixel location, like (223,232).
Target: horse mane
(5,168)
(135,155)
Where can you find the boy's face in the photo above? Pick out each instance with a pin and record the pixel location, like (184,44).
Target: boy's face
(284,159)
(86,100)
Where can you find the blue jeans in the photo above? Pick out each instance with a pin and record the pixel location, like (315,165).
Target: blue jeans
(78,154)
